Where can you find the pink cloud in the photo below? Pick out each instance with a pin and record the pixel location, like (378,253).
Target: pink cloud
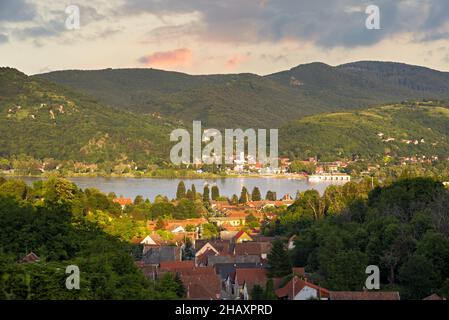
(166,59)
(236,60)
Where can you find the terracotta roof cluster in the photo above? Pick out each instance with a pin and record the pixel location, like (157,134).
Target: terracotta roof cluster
(222,246)
(177,265)
(123,201)
(202,259)
(364,295)
(295,285)
(201,283)
(252,248)
(250,277)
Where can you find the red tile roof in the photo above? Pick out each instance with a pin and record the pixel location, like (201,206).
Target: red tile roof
(123,201)
(176,265)
(299,271)
(252,248)
(250,277)
(299,284)
(364,295)
(30,257)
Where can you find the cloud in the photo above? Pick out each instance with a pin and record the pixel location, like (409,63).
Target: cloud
(168,59)
(3,38)
(235,61)
(326,23)
(17,10)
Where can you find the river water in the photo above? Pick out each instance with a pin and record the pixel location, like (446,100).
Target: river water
(151,187)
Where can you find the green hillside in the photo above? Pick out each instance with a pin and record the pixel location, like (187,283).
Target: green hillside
(249,100)
(400,130)
(43,120)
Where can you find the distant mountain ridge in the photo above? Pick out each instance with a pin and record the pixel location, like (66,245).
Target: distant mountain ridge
(249,100)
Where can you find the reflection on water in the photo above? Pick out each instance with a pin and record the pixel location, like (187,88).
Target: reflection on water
(151,187)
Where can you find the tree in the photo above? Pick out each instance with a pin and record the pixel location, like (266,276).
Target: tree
(278,260)
(180,290)
(189,250)
(15,188)
(435,247)
(193,191)
(234,199)
(271,196)
(181,191)
(244,196)
(160,224)
(138,200)
(190,195)
(206,195)
(417,276)
(269,293)
(215,193)
(251,221)
(255,195)
(302,166)
(257,293)
(209,231)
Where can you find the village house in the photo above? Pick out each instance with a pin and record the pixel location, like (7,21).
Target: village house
(30,258)
(156,255)
(123,202)
(299,289)
(226,269)
(205,248)
(239,285)
(200,283)
(241,237)
(260,249)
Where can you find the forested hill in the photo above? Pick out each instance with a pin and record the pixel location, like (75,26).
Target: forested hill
(249,100)
(44,120)
(400,130)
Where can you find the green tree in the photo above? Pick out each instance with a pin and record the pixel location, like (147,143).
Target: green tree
(209,231)
(244,196)
(215,193)
(418,277)
(138,200)
(257,293)
(255,195)
(271,196)
(269,293)
(278,260)
(206,195)
(160,224)
(181,191)
(194,191)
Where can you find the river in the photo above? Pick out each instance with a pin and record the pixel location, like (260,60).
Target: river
(151,187)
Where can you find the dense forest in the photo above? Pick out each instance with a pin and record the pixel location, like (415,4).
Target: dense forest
(65,226)
(249,100)
(402,227)
(46,121)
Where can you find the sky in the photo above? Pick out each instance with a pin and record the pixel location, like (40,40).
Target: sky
(212,36)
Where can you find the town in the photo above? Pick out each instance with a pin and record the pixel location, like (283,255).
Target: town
(223,255)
